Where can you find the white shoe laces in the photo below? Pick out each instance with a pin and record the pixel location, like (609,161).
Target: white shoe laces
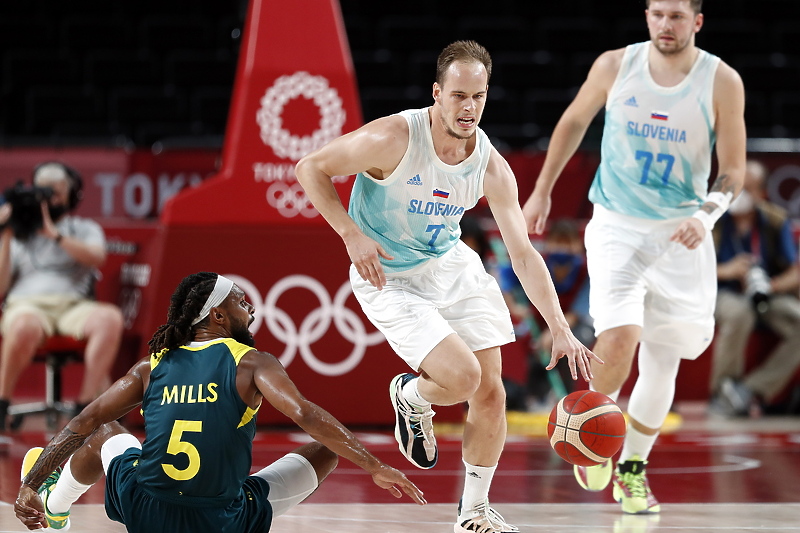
(487,520)
(426,428)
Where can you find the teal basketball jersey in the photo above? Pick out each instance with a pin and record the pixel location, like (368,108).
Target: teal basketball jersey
(414,213)
(199,432)
(657,141)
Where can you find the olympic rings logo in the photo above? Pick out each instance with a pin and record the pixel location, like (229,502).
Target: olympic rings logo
(285,88)
(314,325)
(290,200)
(783,188)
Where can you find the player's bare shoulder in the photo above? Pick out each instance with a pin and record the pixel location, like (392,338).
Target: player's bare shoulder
(141,370)
(255,365)
(255,360)
(728,90)
(498,179)
(611,58)
(594,91)
(386,141)
(384,132)
(726,78)
(607,65)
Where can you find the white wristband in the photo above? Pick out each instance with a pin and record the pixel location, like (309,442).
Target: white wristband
(722,199)
(722,202)
(705,219)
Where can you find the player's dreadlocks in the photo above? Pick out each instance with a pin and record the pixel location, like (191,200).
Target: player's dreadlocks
(184,306)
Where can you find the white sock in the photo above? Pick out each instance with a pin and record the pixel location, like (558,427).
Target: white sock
(637,443)
(476,485)
(411,394)
(66,491)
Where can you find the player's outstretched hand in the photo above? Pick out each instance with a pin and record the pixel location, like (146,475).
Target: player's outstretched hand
(29,509)
(394,480)
(578,355)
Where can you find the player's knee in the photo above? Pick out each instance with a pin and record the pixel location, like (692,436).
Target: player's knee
(463,381)
(459,376)
(328,461)
(321,458)
(490,398)
(26,329)
(109,320)
(682,340)
(621,340)
(105,432)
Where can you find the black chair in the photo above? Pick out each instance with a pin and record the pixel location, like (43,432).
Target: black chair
(56,352)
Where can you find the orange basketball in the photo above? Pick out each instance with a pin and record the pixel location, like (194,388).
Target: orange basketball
(586,428)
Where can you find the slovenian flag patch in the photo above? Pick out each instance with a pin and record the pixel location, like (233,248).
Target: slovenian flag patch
(439,193)
(659,115)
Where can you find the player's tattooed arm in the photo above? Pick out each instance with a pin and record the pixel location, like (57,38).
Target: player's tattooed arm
(59,449)
(723,184)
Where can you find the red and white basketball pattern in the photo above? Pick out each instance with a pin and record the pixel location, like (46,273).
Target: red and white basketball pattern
(586,428)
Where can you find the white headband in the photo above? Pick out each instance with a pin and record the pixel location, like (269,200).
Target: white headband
(222,288)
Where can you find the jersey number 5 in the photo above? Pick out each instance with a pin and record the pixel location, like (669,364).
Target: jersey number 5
(668,159)
(177,446)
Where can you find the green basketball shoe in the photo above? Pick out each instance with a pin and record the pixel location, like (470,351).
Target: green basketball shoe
(594,478)
(54,520)
(631,488)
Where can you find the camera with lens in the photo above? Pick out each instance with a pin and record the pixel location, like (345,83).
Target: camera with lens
(758,288)
(26,210)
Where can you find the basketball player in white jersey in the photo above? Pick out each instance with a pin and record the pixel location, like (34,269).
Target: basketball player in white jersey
(428,292)
(650,254)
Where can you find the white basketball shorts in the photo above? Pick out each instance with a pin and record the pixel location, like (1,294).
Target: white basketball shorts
(639,277)
(453,293)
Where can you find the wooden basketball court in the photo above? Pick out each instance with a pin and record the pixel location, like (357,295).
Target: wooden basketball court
(710,475)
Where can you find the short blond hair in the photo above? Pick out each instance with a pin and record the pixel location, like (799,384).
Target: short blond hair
(465,52)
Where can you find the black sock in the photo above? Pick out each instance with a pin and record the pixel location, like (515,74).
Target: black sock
(3,413)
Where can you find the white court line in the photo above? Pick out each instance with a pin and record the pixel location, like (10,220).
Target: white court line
(736,464)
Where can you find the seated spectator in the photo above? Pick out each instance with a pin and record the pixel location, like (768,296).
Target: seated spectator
(48,265)
(758,278)
(565,257)
(566,260)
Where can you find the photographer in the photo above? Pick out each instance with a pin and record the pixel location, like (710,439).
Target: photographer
(48,264)
(758,279)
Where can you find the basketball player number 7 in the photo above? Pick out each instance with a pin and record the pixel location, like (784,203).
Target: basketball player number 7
(435,228)
(660,158)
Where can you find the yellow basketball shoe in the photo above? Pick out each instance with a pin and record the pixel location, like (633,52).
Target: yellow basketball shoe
(631,488)
(54,520)
(594,478)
